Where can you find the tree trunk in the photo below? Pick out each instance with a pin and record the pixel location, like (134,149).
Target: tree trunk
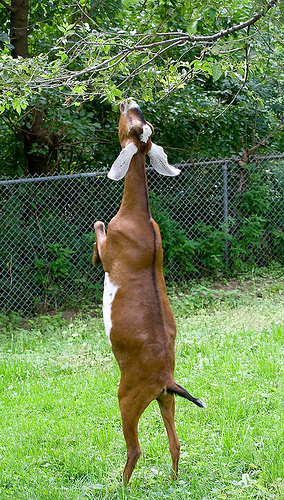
(19,28)
(39,143)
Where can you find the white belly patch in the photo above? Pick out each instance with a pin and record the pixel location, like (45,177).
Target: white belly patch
(110,290)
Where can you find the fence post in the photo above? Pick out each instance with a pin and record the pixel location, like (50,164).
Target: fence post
(225,213)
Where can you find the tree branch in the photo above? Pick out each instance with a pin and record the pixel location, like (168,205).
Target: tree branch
(136,44)
(207,38)
(244,81)
(6,5)
(237,27)
(252,150)
(180,39)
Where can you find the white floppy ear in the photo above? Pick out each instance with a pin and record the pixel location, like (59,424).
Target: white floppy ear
(121,164)
(159,161)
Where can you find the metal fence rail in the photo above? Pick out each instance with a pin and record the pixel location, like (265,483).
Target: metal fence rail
(216,217)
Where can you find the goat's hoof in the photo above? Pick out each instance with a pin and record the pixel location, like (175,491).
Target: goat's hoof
(99,226)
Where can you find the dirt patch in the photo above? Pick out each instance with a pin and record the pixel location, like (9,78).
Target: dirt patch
(258,287)
(63,315)
(227,286)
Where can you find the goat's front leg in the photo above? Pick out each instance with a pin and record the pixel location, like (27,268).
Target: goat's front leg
(99,246)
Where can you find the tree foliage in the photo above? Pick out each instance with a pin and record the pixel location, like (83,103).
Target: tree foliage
(210,76)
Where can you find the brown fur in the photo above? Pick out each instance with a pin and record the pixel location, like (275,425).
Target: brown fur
(143,326)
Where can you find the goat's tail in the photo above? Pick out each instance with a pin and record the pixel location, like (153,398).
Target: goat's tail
(175,388)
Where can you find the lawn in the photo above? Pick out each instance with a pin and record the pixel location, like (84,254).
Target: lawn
(60,434)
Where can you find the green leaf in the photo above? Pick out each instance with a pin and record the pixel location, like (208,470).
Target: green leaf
(217,71)
(192,27)
(212,13)
(216,49)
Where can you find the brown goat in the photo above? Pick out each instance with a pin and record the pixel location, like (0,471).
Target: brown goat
(137,314)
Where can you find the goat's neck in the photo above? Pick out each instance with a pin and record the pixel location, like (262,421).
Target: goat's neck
(135,196)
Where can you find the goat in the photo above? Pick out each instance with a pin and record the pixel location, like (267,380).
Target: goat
(138,318)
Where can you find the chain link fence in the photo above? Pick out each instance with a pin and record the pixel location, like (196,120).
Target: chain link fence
(217,217)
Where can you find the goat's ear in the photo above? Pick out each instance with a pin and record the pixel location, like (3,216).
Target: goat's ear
(159,161)
(121,165)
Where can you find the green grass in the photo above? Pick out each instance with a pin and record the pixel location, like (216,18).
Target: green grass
(60,431)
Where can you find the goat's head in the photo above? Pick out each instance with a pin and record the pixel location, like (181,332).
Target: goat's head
(133,126)
(134,134)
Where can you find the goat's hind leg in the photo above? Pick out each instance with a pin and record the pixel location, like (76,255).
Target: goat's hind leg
(130,431)
(167,407)
(132,403)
